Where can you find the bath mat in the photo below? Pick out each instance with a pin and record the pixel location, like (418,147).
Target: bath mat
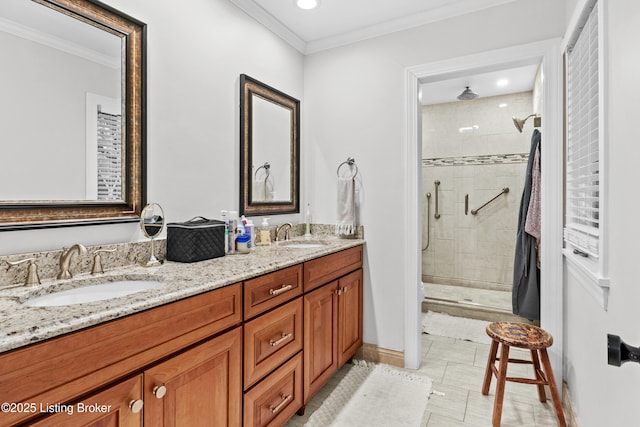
(375,395)
(455,327)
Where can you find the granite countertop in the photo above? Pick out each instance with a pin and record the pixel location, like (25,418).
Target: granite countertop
(22,325)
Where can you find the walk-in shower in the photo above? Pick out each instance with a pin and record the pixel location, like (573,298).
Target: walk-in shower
(474,165)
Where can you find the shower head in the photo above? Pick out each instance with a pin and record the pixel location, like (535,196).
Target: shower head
(519,123)
(467,94)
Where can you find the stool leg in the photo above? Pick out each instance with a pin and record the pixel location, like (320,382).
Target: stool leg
(555,396)
(539,377)
(488,374)
(502,377)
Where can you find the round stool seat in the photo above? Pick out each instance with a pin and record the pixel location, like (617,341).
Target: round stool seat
(519,335)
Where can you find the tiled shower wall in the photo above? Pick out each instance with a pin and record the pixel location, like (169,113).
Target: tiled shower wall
(472,147)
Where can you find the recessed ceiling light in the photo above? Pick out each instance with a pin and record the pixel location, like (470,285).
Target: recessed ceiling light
(503,105)
(502,82)
(307,4)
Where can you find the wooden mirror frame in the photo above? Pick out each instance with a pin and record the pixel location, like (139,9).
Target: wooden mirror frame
(22,215)
(249,86)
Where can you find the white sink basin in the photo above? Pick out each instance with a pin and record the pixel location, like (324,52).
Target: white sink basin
(303,245)
(92,293)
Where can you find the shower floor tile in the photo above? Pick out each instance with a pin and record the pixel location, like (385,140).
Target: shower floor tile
(498,300)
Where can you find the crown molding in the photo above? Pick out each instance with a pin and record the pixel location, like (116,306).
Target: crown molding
(458,8)
(272,24)
(63,45)
(450,10)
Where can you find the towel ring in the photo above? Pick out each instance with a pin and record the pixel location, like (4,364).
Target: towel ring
(351,162)
(266,167)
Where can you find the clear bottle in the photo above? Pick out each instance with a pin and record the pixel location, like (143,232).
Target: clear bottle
(225,219)
(250,230)
(307,233)
(233,225)
(265,233)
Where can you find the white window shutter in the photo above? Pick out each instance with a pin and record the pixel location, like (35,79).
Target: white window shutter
(582,221)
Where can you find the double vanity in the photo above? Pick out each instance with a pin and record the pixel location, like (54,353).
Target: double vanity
(237,340)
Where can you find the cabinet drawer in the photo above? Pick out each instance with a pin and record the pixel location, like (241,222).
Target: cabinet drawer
(319,271)
(276,398)
(270,290)
(271,339)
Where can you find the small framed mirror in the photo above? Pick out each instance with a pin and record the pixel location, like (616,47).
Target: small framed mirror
(269,150)
(152,223)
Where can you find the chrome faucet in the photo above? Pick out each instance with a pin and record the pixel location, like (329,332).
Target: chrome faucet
(65,260)
(286,232)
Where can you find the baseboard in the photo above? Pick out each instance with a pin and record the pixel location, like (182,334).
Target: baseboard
(567,406)
(373,353)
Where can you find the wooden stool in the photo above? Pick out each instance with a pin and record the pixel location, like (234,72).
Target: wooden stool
(532,338)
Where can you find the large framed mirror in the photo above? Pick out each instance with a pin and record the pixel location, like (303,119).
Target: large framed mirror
(269,150)
(72,114)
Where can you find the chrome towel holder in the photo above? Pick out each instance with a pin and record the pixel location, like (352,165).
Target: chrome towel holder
(350,162)
(267,169)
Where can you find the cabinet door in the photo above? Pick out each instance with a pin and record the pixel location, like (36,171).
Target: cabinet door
(350,319)
(117,406)
(320,337)
(200,387)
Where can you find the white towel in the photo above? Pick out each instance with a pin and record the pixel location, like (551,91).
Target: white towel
(346,224)
(262,190)
(259,190)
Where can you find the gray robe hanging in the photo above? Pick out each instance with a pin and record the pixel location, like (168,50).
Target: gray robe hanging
(526,275)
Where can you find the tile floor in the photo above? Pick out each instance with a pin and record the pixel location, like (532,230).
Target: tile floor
(457,370)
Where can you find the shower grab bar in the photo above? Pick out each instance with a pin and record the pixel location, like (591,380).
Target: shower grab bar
(466,204)
(428,221)
(437,184)
(504,191)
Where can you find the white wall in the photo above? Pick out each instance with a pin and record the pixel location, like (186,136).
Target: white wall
(605,395)
(355,107)
(196,51)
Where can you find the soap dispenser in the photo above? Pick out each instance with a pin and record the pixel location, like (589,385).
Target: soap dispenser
(265,233)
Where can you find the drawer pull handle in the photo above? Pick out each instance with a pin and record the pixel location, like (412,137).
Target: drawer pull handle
(285,400)
(136,406)
(159,391)
(283,288)
(283,338)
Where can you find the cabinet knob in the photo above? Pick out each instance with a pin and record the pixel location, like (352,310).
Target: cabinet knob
(159,391)
(136,406)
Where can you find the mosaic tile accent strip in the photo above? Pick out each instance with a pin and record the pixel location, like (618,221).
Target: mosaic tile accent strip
(489,159)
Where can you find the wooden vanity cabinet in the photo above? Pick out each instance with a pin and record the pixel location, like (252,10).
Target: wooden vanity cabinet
(332,317)
(59,370)
(273,347)
(201,386)
(117,406)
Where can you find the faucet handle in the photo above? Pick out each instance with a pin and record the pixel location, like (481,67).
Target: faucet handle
(32,271)
(97,260)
